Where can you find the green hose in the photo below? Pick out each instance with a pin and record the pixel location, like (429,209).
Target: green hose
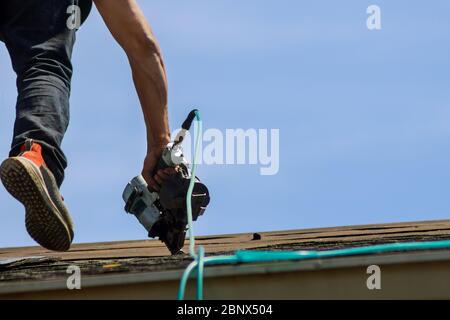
(191,187)
(200,264)
(245,256)
(198,258)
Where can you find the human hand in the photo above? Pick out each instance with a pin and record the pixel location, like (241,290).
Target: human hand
(155,181)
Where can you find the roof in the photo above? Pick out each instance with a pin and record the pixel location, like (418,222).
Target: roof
(19,266)
(152,255)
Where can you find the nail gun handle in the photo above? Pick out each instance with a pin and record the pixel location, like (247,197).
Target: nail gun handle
(160,165)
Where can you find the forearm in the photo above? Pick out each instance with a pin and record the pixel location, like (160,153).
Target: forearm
(130,28)
(150,81)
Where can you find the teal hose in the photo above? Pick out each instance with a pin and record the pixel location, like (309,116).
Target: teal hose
(191,187)
(200,267)
(245,256)
(198,259)
(267,256)
(184,279)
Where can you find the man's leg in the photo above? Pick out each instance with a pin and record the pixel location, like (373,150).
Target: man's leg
(40,46)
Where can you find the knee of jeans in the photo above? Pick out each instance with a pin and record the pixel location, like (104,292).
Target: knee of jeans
(48,58)
(51,67)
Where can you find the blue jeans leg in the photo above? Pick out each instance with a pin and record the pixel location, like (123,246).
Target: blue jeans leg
(40,46)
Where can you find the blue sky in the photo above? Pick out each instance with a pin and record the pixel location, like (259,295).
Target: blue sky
(364,116)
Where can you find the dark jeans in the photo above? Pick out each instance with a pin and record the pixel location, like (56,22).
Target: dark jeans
(40,45)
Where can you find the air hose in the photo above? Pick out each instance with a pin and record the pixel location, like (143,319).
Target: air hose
(246,256)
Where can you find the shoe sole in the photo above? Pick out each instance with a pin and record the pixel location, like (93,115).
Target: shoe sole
(43,220)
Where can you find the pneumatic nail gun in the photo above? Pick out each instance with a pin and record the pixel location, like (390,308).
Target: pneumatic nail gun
(164,213)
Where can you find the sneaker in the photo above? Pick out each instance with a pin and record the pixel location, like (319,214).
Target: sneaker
(27,178)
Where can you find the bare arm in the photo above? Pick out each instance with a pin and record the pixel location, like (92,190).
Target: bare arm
(131,30)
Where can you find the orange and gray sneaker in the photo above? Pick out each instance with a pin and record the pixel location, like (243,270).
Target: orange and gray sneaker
(27,178)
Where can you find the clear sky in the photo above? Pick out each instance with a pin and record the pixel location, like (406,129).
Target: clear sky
(364,116)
